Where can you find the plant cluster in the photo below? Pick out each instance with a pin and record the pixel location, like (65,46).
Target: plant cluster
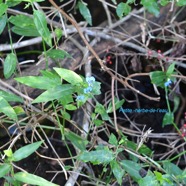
(65,91)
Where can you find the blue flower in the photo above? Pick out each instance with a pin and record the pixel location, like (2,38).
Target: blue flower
(87,90)
(80,98)
(90,80)
(167,83)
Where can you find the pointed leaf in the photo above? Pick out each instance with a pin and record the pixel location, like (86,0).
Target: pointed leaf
(3,20)
(172,169)
(57,54)
(170,70)
(132,168)
(85,12)
(118,104)
(76,140)
(180,3)
(122,9)
(41,25)
(7,109)
(26,151)
(151,6)
(40,82)
(168,119)
(117,171)
(4,169)
(32,179)
(69,76)
(3,8)
(113,140)
(100,109)
(27,31)
(22,21)
(58,92)
(100,156)
(158,78)
(10,97)
(9,65)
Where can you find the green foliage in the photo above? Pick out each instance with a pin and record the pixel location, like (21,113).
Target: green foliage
(32,179)
(132,169)
(10,97)
(17,178)
(25,151)
(117,171)
(3,20)
(57,54)
(69,91)
(85,12)
(123,9)
(151,6)
(4,169)
(23,25)
(69,76)
(76,140)
(117,103)
(99,156)
(41,25)
(7,109)
(9,65)
(3,8)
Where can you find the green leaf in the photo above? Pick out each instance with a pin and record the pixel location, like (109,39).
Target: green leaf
(170,70)
(41,25)
(100,156)
(65,114)
(30,31)
(117,104)
(70,107)
(24,25)
(85,12)
(172,169)
(158,78)
(69,76)
(57,54)
(8,153)
(151,6)
(76,140)
(148,180)
(58,33)
(100,109)
(3,20)
(40,82)
(58,92)
(22,21)
(10,97)
(9,65)
(168,119)
(32,179)
(26,151)
(180,3)
(19,110)
(113,140)
(132,168)
(122,9)
(3,8)
(4,169)
(98,122)
(7,109)
(11,3)
(117,171)
(164,2)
